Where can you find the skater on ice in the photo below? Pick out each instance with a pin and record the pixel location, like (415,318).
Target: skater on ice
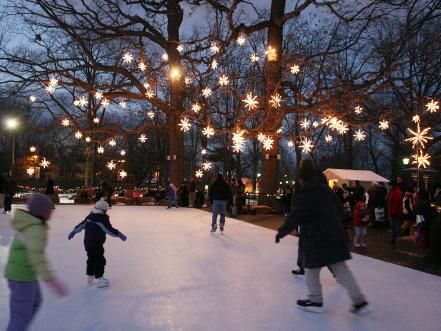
(219,195)
(96,226)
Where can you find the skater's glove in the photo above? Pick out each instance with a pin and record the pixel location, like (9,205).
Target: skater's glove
(71,235)
(57,287)
(277,238)
(122,236)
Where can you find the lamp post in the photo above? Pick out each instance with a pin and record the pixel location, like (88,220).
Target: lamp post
(12,124)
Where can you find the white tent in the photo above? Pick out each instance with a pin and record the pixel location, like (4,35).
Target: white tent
(348,176)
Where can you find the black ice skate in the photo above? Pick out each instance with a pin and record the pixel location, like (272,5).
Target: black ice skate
(308,305)
(360,308)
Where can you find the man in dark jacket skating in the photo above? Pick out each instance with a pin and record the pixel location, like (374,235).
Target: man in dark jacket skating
(219,194)
(318,211)
(96,226)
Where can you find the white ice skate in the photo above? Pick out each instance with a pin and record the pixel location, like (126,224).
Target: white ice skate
(90,280)
(102,282)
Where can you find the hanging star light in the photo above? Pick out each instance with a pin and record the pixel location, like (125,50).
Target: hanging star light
(180,48)
(214,65)
(78,135)
(238,141)
(142,66)
(196,107)
(165,57)
(204,151)
(304,124)
(261,137)
(65,122)
(44,163)
(416,118)
(384,125)
(432,106)
(241,40)
(142,138)
(123,153)
(280,130)
(358,110)
(214,48)
(146,86)
(112,142)
(187,80)
(206,165)
(306,145)
(208,131)
(111,165)
(96,120)
(254,58)
(275,100)
(420,137)
(295,69)
(206,92)
(151,114)
(359,135)
(53,82)
(123,174)
(199,173)
(342,128)
(105,102)
(223,80)
(290,143)
(268,143)
(250,101)
(32,98)
(328,138)
(81,102)
(30,171)
(98,95)
(128,58)
(185,124)
(88,139)
(32,149)
(422,160)
(50,89)
(149,94)
(122,104)
(100,150)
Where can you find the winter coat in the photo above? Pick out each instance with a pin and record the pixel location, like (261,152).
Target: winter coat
(171,191)
(319,213)
(50,187)
(96,226)
(394,203)
(27,260)
(360,216)
(220,190)
(359,193)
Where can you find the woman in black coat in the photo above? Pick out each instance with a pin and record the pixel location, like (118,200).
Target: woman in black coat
(317,210)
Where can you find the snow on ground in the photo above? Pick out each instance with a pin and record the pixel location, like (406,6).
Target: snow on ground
(172,274)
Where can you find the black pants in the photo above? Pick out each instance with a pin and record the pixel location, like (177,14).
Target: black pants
(95,261)
(8,201)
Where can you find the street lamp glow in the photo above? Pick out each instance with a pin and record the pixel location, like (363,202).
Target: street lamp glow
(11,123)
(406,161)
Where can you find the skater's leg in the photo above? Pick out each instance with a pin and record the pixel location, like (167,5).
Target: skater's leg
(223,209)
(100,262)
(24,300)
(313,284)
(346,279)
(91,261)
(215,211)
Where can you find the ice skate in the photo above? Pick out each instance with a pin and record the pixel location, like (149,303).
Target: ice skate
(308,305)
(221,228)
(102,282)
(90,280)
(213,229)
(360,308)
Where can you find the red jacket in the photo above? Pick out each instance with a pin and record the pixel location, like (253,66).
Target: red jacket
(359,215)
(395,203)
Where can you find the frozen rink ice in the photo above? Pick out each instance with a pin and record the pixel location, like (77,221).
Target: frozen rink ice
(172,274)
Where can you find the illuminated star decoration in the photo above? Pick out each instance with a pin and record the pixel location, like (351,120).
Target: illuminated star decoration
(416,119)
(151,114)
(165,57)
(268,143)
(128,58)
(88,139)
(188,80)
(358,110)
(290,143)
(149,94)
(250,101)
(32,149)
(81,102)
(422,160)
(142,138)
(295,69)
(78,135)
(304,124)
(328,138)
(50,88)
(30,171)
(214,65)
(206,165)
(359,135)
(208,131)
(111,165)
(275,100)
(223,80)
(342,128)
(204,151)
(419,137)
(65,122)
(105,102)
(261,137)
(123,174)
(100,150)
(122,104)
(185,124)
(315,124)
(214,48)
(112,142)
(199,174)
(98,95)
(238,141)
(32,98)
(254,57)
(123,153)
(142,66)
(44,163)
(306,145)
(241,40)
(206,92)
(384,125)
(432,106)
(180,48)
(196,107)
(96,120)
(279,130)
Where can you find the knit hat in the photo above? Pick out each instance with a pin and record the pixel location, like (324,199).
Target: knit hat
(102,205)
(306,169)
(39,204)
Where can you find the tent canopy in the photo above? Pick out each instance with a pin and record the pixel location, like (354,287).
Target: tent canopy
(342,176)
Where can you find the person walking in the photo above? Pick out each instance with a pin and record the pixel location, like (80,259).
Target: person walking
(219,194)
(191,193)
(318,211)
(361,219)
(394,209)
(171,195)
(50,191)
(10,188)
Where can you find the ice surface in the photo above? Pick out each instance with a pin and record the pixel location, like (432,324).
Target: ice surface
(172,274)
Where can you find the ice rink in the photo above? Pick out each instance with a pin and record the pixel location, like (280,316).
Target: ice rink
(172,274)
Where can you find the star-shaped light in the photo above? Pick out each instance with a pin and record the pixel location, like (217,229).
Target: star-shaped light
(196,107)
(100,150)
(185,124)
(81,102)
(30,171)
(305,124)
(342,128)
(187,80)
(290,143)
(88,139)
(359,135)
(432,106)
(279,130)
(53,82)
(306,145)
(142,138)
(146,86)
(261,137)
(65,122)
(214,64)
(420,137)
(32,149)
(241,40)
(328,138)
(315,124)
(165,57)
(123,153)
(96,120)
(98,95)
(50,89)
(268,143)
(416,118)
(206,165)
(32,98)
(276,100)
(208,131)
(151,114)
(111,165)
(204,151)
(122,104)
(295,69)
(358,110)
(122,174)
(214,48)
(199,173)
(112,142)
(78,135)
(44,163)
(180,48)
(383,125)
(128,58)
(149,94)
(250,101)
(254,57)
(223,80)
(238,141)
(142,66)
(105,102)
(206,92)
(422,160)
